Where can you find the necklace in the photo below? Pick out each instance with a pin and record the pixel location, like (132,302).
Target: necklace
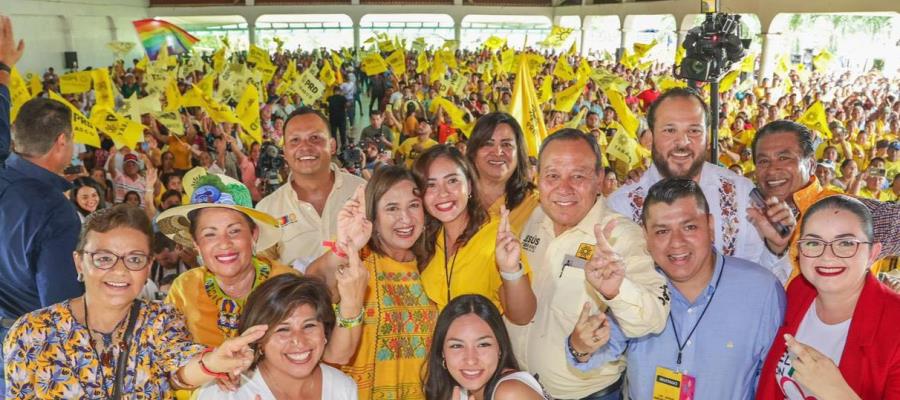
(230,308)
(105,358)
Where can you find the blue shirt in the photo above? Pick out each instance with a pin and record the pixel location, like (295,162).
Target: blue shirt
(5,137)
(725,352)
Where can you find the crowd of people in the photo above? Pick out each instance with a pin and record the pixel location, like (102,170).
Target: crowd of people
(435,254)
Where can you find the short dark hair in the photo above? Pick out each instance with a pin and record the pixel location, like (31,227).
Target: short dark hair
(438,384)
(574,134)
(274,301)
(803,135)
(305,110)
(842,202)
(162,242)
(670,189)
(166,177)
(39,122)
(118,216)
(679,92)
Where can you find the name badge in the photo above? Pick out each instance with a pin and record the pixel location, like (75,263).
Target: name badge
(671,385)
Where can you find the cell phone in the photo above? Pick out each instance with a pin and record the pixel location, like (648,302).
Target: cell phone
(876,171)
(72,170)
(758,201)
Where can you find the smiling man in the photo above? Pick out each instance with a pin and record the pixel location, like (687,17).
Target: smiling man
(725,310)
(561,242)
(306,206)
(678,120)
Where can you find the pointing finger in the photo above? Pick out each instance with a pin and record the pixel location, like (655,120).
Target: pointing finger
(504,219)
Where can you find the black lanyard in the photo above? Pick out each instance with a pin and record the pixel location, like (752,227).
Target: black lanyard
(448,271)
(119,370)
(706,307)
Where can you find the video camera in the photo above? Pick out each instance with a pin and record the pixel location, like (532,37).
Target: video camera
(712,47)
(268,168)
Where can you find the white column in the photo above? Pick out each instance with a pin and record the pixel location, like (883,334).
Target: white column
(772,46)
(251,31)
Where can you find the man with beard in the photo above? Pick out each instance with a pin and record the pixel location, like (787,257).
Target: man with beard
(678,120)
(306,206)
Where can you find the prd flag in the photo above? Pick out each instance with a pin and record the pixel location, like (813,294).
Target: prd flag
(19,92)
(563,70)
(75,82)
(247,111)
(565,100)
(82,130)
(374,64)
(626,117)
(557,36)
(123,131)
(494,42)
(397,61)
(525,108)
(103,89)
(814,119)
(157,34)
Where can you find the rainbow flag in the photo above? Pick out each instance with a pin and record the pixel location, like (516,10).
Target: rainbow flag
(155,34)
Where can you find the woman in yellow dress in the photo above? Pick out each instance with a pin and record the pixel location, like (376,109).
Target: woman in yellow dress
(384,222)
(466,251)
(220,223)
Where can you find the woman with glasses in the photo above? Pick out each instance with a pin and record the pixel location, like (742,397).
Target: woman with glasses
(107,343)
(839,338)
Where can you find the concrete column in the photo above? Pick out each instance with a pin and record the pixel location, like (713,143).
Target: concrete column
(251,31)
(772,46)
(457,31)
(356,41)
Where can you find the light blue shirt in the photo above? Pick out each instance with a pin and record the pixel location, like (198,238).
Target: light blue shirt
(727,349)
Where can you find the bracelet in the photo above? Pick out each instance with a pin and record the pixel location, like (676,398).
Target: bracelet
(332,244)
(511,276)
(574,352)
(349,322)
(206,370)
(178,380)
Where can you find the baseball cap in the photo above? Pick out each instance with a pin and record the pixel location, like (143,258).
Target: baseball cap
(825,163)
(132,158)
(895,145)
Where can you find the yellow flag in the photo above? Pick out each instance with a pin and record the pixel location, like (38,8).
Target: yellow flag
(626,117)
(665,83)
(172,122)
(123,131)
(18,92)
(783,65)
(309,88)
(728,80)
(604,80)
(822,60)
(103,89)
(546,92)
(247,111)
(35,85)
(679,54)
(142,64)
(563,70)
(748,63)
(584,70)
(266,72)
(219,60)
(386,46)
(641,49)
(257,55)
(455,113)
(326,75)
(374,64)
(217,111)
(525,108)
(397,61)
(557,36)
(565,100)
(814,119)
(623,147)
(422,63)
(575,122)
(82,130)
(494,42)
(508,57)
(173,96)
(438,68)
(572,50)
(75,82)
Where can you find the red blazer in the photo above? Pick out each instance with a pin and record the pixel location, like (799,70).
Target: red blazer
(871,360)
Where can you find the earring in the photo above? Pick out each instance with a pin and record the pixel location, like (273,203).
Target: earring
(79,277)
(200,260)
(444,363)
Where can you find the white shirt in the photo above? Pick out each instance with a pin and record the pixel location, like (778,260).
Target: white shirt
(302,228)
(728,196)
(335,386)
(561,290)
(827,339)
(520,376)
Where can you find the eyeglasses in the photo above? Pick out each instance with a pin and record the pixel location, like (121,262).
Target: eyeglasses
(106,260)
(841,248)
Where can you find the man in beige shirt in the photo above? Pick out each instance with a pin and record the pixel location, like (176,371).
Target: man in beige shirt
(306,206)
(560,241)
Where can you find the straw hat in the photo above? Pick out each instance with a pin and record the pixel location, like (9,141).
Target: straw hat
(207,190)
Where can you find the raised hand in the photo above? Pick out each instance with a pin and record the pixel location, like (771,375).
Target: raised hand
(10,51)
(776,212)
(606,269)
(507,248)
(353,228)
(352,282)
(591,331)
(817,372)
(235,355)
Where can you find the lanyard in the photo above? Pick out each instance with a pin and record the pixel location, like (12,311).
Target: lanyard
(448,271)
(706,307)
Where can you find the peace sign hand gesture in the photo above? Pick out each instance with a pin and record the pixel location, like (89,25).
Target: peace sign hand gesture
(353,228)
(507,248)
(606,269)
(591,331)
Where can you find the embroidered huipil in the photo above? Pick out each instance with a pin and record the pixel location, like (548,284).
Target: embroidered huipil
(728,196)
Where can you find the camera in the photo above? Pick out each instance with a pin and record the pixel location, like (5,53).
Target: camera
(351,158)
(268,168)
(712,47)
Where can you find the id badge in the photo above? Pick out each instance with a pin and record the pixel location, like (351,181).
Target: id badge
(671,385)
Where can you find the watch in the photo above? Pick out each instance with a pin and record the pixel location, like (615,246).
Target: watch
(4,67)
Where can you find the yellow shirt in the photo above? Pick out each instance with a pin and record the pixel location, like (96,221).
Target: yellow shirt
(562,290)
(472,270)
(411,154)
(210,315)
(519,215)
(302,228)
(397,328)
(882,195)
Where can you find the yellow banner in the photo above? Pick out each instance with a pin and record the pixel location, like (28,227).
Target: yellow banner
(494,42)
(397,61)
(247,111)
(563,70)
(557,36)
(374,64)
(172,121)
(822,60)
(173,96)
(814,119)
(35,85)
(103,89)
(19,93)
(82,130)
(326,75)
(641,49)
(728,80)
(525,108)
(422,63)
(257,55)
(623,147)
(75,82)
(748,63)
(310,89)
(219,60)
(626,117)
(123,131)
(565,100)
(546,91)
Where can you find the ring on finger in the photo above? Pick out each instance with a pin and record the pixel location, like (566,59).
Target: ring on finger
(596,338)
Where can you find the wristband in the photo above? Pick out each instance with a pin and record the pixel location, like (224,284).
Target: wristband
(349,322)
(511,276)
(4,67)
(333,246)
(206,370)
(574,352)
